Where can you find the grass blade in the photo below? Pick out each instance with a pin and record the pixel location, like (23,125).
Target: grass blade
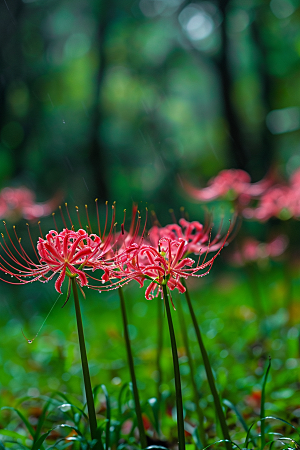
(24,420)
(248,437)
(241,419)
(209,373)
(262,406)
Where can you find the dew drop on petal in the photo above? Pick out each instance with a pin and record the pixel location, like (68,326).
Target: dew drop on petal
(29,341)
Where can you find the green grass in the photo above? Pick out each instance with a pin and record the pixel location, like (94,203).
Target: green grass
(240,331)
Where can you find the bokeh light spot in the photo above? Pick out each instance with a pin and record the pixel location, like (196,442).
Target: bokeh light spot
(283,120)
(77,45)
(196,22)
(282,8)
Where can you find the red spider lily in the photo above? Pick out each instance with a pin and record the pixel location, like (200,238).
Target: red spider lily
(165,264)
(64,253)
(196,236)
(76,254)
(282,201)
(234,183)
(20,202)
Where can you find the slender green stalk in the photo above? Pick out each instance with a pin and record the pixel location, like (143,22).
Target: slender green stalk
(262,407)
(159,348)
(132,373)
(179,406)
(190,361)
(85,367)
(209,374)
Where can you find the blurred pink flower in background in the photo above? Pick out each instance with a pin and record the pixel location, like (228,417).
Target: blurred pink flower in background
(252,250)
(17,203)
(281,201)
(259,201)
(234,184)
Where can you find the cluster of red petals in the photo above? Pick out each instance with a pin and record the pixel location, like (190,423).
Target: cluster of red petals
(73,253)
(195,235)
(260,201)
(162,258)
(281,201)
(233,184)
(20,202)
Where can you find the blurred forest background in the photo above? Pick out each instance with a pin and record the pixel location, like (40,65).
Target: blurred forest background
(120,100)
(123,101)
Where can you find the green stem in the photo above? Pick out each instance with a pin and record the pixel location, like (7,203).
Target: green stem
(262,407)
(132,374)
(190,361)
(179,406)
(208,370)
(85,367)
(159,348)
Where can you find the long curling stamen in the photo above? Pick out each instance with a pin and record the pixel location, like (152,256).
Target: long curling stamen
(24,254)
(79,221)
(27,224)
(40,229)
(55,224)
(11,241)
(98,220)
(88,219)
(71,223)
(144,229)
(106,207)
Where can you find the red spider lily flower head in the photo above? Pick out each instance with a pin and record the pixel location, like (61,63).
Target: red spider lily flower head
(20,202)
(279,201)
(161,264)
(234,184)
(197,237)
(64,253)
(75,254)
